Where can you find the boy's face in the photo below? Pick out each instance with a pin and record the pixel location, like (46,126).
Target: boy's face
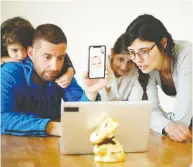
(121,65)
(16,51)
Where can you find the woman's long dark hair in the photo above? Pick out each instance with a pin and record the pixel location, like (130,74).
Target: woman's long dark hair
(148,28)
(120,48)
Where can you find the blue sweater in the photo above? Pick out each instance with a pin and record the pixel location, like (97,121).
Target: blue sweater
(26,108)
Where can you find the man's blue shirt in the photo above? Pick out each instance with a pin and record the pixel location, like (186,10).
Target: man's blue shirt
(26,107)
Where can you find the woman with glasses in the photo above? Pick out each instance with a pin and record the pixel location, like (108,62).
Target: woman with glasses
(153,50)
(126,81)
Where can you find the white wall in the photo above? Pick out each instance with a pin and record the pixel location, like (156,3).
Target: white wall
(89,23)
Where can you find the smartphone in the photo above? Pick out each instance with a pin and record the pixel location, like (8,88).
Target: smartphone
(97,61)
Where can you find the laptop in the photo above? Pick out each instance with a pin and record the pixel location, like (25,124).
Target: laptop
(80,119)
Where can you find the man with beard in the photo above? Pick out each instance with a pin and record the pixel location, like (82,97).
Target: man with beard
(31,99)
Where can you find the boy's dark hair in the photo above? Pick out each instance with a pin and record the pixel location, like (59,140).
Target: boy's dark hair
(16,30)
(148,28)
(119,46)
(50,33)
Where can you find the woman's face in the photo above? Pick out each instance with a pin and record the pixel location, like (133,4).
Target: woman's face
(121,64)
(148,55)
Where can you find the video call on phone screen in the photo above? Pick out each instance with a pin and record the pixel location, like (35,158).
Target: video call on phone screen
(97,56)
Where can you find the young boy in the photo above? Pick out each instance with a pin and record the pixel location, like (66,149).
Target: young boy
(16,36)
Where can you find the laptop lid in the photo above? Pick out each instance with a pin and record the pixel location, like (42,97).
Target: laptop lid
(80,119)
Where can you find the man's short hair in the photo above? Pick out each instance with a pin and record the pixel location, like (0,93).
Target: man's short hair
(50,33)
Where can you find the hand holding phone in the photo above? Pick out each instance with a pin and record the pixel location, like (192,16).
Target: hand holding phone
(97,61)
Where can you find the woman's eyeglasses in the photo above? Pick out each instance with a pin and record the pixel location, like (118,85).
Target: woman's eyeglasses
(143,54)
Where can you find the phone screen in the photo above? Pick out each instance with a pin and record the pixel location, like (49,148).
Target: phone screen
(97,60)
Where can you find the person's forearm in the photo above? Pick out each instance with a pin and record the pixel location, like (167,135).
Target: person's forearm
(183,108)
(158,121)
(19,124)
(70,71)
(2,60)
(53,128)
(7,59)
(68,64)
(91,96)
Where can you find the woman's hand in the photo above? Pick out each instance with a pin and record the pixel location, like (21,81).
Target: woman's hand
(178,132)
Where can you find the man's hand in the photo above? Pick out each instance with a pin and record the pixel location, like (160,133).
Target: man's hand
(93,86)
(53,128)
(66,78)
(178,132)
